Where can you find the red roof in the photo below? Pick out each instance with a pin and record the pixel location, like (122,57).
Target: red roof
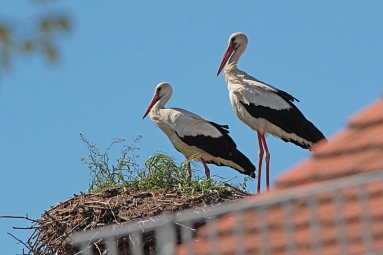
(355,150)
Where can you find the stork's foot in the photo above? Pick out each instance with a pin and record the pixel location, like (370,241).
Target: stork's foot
(207,170)
(189,176)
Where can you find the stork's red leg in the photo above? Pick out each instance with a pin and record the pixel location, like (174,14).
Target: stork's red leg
(189,171)
(260,157)
(207,170)
(267,159)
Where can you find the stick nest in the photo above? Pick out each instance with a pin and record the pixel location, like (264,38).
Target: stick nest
(111,206)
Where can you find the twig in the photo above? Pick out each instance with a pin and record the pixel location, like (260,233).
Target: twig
(111,209)
(19,217)
(31,227)
(50,216)
(182,225)
(33,236)
(29,248)
(98,248)
(95,202)
(238,190)
(95,207)
(37,242)
(166,201)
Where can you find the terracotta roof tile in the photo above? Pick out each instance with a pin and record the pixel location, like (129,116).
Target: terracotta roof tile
(369,116)
(357,149)
(351,140)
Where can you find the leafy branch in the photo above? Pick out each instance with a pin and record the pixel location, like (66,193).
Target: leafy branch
(39,37)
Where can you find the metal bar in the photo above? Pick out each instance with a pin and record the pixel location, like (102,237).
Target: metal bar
(263,230)
(213,238)
(289,227)
(314,225)
(135,243)
(166,238)
(86,250)
(186,236)
(365,218)
(111,245)
(238,233)
(339,218)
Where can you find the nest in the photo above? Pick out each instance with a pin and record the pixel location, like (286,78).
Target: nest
(111,206)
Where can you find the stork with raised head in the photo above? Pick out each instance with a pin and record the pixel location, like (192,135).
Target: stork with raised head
(191,134)
(263,107)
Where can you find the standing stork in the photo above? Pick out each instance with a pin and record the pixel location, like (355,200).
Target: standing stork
(263,107)
(191,134)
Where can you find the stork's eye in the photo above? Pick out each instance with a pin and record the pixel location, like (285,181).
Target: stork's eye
(159,89)
(233,42)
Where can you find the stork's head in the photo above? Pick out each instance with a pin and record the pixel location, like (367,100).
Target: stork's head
(237,42)
(163,91)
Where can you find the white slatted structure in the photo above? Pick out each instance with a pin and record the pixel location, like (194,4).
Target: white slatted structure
(165,226)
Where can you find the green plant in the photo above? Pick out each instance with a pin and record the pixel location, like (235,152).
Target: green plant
(106,175)
(160,171)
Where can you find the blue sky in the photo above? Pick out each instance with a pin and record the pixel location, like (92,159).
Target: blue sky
(328,54)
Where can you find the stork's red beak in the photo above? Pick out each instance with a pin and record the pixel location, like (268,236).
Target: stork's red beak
(152,103)
(229,51)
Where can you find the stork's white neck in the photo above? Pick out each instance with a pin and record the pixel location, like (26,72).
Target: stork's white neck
(231,66)
(237,54)
(155,112)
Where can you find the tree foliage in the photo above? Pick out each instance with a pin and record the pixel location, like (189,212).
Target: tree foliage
(36,35)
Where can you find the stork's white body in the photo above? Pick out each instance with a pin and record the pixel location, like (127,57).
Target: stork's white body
(263,107)
(191,134)
(247,89)
(177,123)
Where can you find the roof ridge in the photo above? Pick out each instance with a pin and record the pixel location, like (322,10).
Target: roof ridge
(357,125)
(345,151)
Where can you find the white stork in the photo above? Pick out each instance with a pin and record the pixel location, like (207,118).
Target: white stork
(191,134)
(263,107)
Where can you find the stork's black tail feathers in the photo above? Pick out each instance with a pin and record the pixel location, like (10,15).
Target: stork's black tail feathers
(244,162)
(235,155)
(308,131)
